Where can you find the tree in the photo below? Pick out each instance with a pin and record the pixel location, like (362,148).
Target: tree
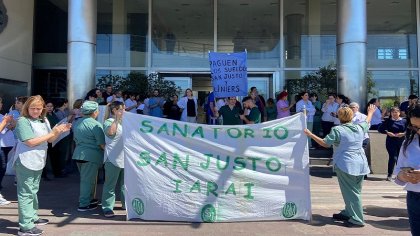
(323,82)
(139,83)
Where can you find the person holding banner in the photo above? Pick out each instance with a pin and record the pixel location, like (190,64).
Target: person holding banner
(305,104)
(350,162)
(188,105)
(113,158)
(34,133)
(253,113)
(89,153)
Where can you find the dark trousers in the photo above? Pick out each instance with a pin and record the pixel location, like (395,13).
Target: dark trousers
(413,208)
(393,147)
(3,162)
(326,127)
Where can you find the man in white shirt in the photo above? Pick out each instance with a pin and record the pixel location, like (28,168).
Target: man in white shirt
(116,97)
(131,103)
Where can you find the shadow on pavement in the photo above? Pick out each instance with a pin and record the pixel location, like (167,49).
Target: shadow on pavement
(395,197)
(400,224)
(320,220)
(370,178)
(321,172)
(394,225)
(8,227)
(381,211)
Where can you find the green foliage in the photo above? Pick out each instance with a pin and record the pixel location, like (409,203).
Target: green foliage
(322,82)
(139,83)
(372,92)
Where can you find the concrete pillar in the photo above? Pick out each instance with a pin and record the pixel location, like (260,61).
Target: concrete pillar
(351,50)
(313,12)
(81,48)
(294,33)
(119,17)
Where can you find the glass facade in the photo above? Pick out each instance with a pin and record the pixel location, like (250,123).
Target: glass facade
(121,39)
(285,40)
(254,27)
(309,33)
(182,33)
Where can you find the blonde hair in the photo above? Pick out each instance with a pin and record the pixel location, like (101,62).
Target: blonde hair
(345,115)
(29,102)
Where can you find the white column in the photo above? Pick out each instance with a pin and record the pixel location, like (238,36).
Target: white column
(351,49)
(81,48)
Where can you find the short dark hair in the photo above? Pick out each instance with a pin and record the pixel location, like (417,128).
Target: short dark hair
(247,98)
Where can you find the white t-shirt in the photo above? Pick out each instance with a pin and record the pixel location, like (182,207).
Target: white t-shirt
(129,103)
(7,138)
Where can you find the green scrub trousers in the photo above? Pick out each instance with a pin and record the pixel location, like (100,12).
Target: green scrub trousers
(27,189)
(88,178)
(114,179)
(351,189)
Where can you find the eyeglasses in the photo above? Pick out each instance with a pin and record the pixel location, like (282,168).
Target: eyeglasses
(414,128)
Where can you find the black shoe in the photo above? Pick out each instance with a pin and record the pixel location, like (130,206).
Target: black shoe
(41,221)
(340,217)
(30,232)
(88,208)
(109,214)
(348,224)
(95,201)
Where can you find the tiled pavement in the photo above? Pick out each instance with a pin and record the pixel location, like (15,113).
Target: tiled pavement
(384,204)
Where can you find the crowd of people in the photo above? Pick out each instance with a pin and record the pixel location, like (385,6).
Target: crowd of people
(35,132)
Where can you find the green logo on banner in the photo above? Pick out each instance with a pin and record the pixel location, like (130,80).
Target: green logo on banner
(208,213)
(138,206)
(289,210)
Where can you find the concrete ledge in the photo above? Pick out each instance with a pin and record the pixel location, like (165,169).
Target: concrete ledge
(378,153)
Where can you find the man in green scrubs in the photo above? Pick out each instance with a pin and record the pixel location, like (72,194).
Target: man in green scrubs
(254,115)
(90,142)
(230,113)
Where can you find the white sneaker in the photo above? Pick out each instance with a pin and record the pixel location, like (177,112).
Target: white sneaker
(3,201)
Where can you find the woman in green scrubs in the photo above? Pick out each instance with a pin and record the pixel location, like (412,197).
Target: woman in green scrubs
(113,159)
(34,133)
(89,152)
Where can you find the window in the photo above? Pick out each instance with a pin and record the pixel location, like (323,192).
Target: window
(392,53)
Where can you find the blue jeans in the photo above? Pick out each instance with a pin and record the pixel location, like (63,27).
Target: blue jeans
(3,164)
(413,208)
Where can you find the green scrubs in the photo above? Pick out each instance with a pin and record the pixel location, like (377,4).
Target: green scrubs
(27,179)
(114,167)
(230,116)
(254,115)
(88,136)
(114,180)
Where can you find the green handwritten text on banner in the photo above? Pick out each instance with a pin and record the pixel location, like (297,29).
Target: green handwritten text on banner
(177,171)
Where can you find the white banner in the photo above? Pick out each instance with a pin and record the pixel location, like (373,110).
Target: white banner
(177,171)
